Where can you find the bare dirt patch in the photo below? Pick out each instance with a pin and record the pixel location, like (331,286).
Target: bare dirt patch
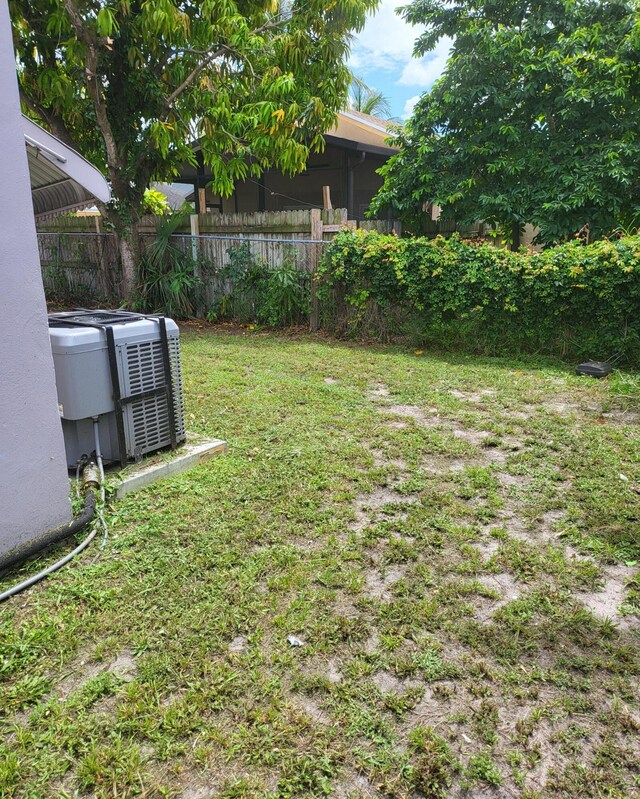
(606,603)
(388,683)
(377,586)
(209,783)
(432,710)
(380,458)
(312,709)
(425,419)
(473,396)
(332,672)
(495,455)
(378,392)
(622,417)
(397,424)
(431,418)
(84,668)
(239,644)
(513,480)
(549,527)
(354,786)
(561,406)
(382,499)
(124,666)
(475,437)
(487,547)
(505,584)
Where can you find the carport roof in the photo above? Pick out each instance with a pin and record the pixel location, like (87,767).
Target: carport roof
(61,179)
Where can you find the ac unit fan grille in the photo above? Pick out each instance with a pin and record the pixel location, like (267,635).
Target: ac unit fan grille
(150,424)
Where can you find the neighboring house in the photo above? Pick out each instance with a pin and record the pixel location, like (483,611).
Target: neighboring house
(355,148)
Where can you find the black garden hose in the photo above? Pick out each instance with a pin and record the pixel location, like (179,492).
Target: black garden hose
(35,545)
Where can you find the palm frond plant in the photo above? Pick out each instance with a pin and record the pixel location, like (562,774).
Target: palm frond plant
(168,279)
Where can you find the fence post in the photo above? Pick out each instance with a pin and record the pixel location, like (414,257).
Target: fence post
(195,231)
(316,235)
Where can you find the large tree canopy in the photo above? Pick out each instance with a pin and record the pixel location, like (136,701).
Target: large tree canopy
(132,83)
(535,119)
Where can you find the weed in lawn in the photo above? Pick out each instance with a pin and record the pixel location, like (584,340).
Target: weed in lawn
(433,766)
(481,767)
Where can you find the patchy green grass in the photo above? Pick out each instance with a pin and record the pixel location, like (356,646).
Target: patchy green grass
(454,540)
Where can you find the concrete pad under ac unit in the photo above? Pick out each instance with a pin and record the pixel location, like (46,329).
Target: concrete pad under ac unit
(189,456)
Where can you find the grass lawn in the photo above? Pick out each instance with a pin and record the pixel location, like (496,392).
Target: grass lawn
(452,539)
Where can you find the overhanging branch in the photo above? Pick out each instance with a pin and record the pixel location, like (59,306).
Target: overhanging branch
(92,43)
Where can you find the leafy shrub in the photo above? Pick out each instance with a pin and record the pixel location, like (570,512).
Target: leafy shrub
(68,285)
(572,299)
(167,276)
(286,297)
(248,289)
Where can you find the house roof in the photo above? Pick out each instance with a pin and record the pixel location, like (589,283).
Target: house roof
(355,131)
(177,195)
(362,132)
(61,179)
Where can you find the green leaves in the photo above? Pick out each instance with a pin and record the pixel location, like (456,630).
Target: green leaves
(132,86)
(106,23)
(129,85)
(529,299)
(536,118)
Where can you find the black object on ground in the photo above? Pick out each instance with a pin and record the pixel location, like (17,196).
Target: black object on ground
(594,368)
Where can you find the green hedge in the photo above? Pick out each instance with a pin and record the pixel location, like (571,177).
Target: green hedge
(571,300)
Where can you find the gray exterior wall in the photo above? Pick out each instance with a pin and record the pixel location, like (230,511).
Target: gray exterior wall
(34,487)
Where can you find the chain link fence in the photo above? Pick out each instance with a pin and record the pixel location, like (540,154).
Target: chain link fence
(79,268)
(237,277)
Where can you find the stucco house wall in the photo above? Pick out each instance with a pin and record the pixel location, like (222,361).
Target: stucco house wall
(34,487)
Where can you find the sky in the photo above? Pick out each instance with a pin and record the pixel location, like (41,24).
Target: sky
(381,54)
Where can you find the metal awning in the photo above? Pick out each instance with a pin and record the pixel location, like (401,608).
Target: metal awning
(61,179)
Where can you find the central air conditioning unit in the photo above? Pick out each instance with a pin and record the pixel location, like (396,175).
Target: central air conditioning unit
(124,370)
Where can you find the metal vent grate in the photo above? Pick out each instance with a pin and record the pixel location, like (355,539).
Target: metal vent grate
(176,377)
(148,418)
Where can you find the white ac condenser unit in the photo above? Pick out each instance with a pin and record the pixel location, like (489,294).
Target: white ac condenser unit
(123,369)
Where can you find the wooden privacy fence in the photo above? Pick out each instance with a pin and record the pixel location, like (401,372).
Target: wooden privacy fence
(79,265)
(273,237)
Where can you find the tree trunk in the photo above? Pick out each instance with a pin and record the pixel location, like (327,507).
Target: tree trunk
(129,256)
(130,252)
(515,236)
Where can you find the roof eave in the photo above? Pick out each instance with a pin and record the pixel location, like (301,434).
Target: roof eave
(65,163)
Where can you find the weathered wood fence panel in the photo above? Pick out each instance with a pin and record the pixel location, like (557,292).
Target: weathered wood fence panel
(78,261)
(79,266)
(285,224)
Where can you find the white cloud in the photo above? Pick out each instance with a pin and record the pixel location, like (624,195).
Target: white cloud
(424,71)
(386,42)
(409,105)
